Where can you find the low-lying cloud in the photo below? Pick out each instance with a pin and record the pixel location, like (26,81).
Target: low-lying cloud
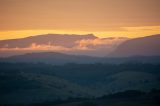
(104,42)
(95,47)
(84,44)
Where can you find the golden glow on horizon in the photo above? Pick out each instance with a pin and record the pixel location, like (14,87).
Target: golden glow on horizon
(131,32)
(103,18)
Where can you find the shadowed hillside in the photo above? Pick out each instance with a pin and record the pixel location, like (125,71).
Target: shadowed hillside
(144,46)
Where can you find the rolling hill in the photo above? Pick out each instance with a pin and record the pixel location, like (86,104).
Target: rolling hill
(36,83)
(28,83)
(52,58)
(56,58)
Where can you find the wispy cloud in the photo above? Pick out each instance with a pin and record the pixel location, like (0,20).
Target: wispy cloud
(43,47)
(108,42)
(35,46)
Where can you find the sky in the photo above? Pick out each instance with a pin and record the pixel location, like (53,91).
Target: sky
(104,18)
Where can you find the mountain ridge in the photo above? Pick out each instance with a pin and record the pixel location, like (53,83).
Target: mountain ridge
(146,46)
(44,39)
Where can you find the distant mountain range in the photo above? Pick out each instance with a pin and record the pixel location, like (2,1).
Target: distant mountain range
(52,39)
(82,45)
(71,44)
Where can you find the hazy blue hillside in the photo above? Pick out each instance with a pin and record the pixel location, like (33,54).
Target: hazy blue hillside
(52,58)
(56,58)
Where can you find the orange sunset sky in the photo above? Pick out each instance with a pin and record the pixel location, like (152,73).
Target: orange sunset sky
(104,18)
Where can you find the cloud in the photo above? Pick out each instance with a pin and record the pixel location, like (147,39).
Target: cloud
(35,46)
(100,42)
(143,28)
(43,47)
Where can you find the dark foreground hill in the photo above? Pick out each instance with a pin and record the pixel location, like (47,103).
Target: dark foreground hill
(22,83)
(126,98)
